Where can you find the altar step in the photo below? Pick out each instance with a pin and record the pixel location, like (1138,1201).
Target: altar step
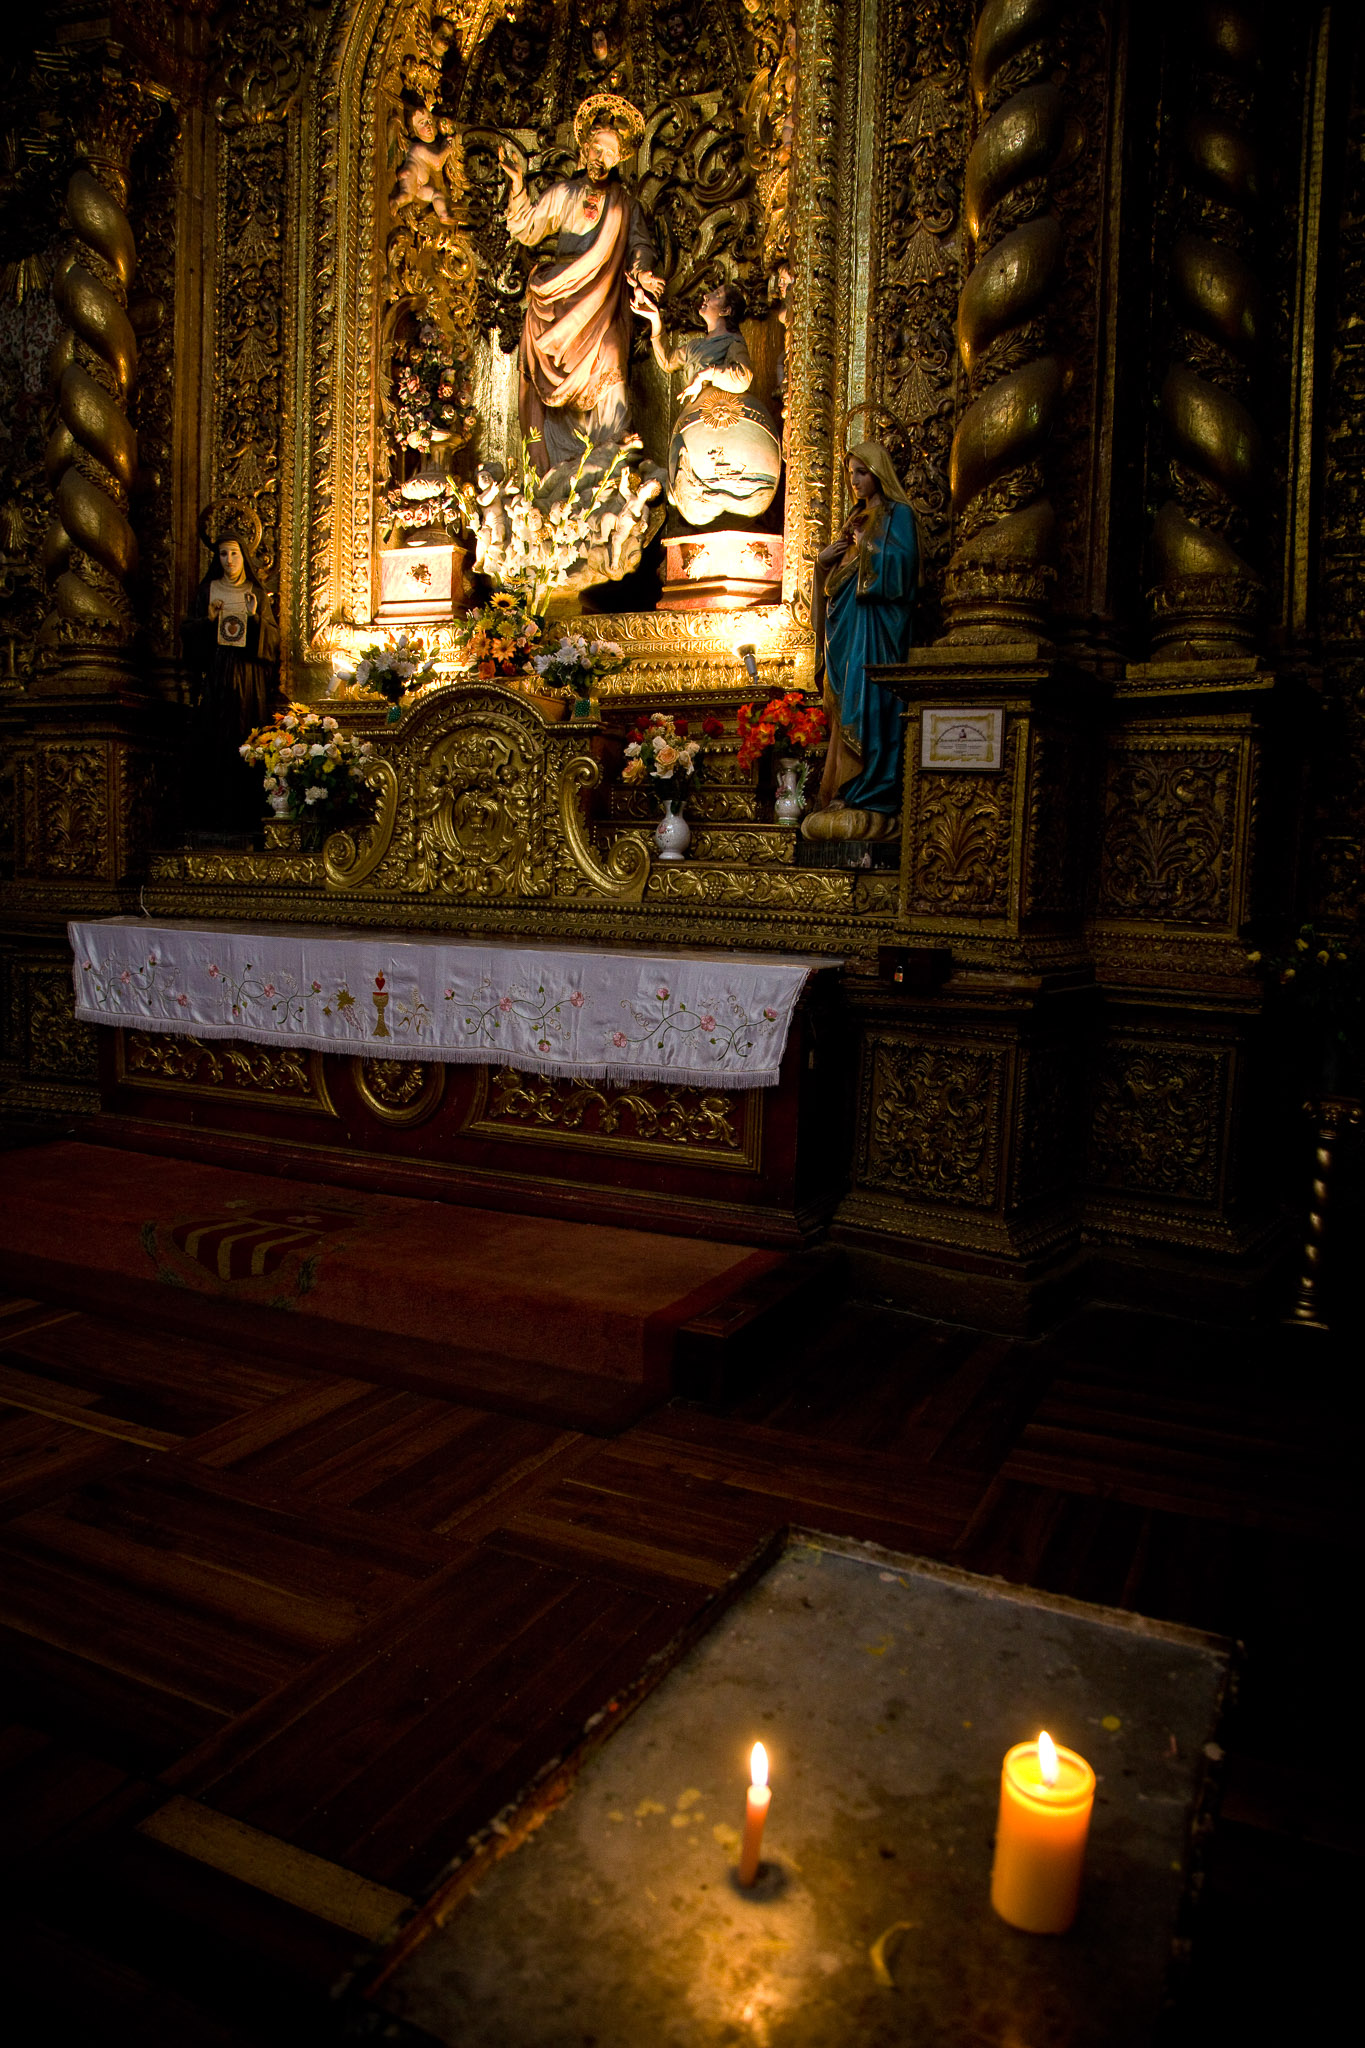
(581,1325)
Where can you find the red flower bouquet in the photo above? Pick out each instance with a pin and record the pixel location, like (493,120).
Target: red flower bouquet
(793,725)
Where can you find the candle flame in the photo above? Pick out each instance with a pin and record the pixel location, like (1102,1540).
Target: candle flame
(758,1765)
(1047,1758)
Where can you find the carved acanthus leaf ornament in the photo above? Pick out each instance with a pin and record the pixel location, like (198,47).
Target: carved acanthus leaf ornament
(1170,815)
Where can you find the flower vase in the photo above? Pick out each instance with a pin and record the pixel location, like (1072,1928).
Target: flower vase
(672,834)
(789,802)
(281,805)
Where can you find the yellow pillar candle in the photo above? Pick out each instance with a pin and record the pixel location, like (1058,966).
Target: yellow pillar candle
(1046,1795)
(755,1813)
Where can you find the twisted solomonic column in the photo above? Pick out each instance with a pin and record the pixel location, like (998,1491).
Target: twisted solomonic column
(92,453)
(1001,573)
(1206,594)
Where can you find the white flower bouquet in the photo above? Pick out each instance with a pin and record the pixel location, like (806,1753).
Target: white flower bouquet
(399,668)
(575,666)
(540,548)
(313,770)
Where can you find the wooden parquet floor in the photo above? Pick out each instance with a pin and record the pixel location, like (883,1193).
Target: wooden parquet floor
(276,1645)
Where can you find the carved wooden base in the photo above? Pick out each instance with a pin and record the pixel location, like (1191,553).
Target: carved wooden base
(750,1165)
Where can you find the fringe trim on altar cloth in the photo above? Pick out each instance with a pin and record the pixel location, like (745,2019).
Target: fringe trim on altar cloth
(453,1055)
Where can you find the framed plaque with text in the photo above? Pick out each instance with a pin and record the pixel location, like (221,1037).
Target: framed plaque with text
(957,738)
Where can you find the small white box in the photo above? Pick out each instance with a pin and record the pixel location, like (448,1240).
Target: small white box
(416,583)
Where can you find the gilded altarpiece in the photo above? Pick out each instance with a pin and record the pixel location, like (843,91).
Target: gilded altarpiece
(1093,274)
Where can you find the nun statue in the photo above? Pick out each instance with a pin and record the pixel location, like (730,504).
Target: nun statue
(232,652)
(865,586)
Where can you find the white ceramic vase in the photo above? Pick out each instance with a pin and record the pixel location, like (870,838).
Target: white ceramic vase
(279,801)
(789,803)
(672,834)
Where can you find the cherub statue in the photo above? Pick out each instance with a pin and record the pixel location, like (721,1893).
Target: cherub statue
(493,524)
(421,179)
(618,529)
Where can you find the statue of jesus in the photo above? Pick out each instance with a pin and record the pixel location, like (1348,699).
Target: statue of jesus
(575,338)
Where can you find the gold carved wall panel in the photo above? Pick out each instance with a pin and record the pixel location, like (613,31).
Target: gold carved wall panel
(961,839)
(274,1077)
(1170,836)
(1158,1118)
(264,252)
(916,252)
(402,1092)
(930,1120)
(717,1127)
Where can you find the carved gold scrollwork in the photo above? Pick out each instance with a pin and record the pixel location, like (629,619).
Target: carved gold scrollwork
(479,816)
(57,1042)
(347,863)
(918,248)
(962,843)
(708,1126)
(1170,815)
(1157,1118)
(71,817)
(625,871)
(400,1091)
(284,1077)
(931,1121)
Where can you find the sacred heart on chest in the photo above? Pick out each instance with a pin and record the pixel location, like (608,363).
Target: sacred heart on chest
(246,1242)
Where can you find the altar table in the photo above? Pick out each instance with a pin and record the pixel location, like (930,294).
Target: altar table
(615,1013)
(701,1092)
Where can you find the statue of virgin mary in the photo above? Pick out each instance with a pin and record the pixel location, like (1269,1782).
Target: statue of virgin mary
(866,583)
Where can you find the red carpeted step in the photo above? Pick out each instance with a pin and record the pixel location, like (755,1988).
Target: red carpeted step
(573,1322)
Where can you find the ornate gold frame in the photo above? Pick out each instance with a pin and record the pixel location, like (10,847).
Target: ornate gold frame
(425,1104)
(481,1121)
(326,573)
(257,1062)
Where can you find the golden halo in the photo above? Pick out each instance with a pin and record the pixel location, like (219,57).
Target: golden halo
(224,513)
(627,120)
(879,413)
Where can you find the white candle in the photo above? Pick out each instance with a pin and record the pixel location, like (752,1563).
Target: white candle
(755,1813)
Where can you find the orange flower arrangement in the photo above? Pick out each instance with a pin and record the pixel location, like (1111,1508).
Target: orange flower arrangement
(793,724)
(498,640)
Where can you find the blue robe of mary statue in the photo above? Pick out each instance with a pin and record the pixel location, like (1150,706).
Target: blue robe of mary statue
(869,608)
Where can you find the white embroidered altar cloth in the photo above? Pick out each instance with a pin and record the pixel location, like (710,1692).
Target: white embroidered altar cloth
(617,1013)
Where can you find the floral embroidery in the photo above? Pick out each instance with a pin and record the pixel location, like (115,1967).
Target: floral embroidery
(147,986)
(539,1011)
(679,1023)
